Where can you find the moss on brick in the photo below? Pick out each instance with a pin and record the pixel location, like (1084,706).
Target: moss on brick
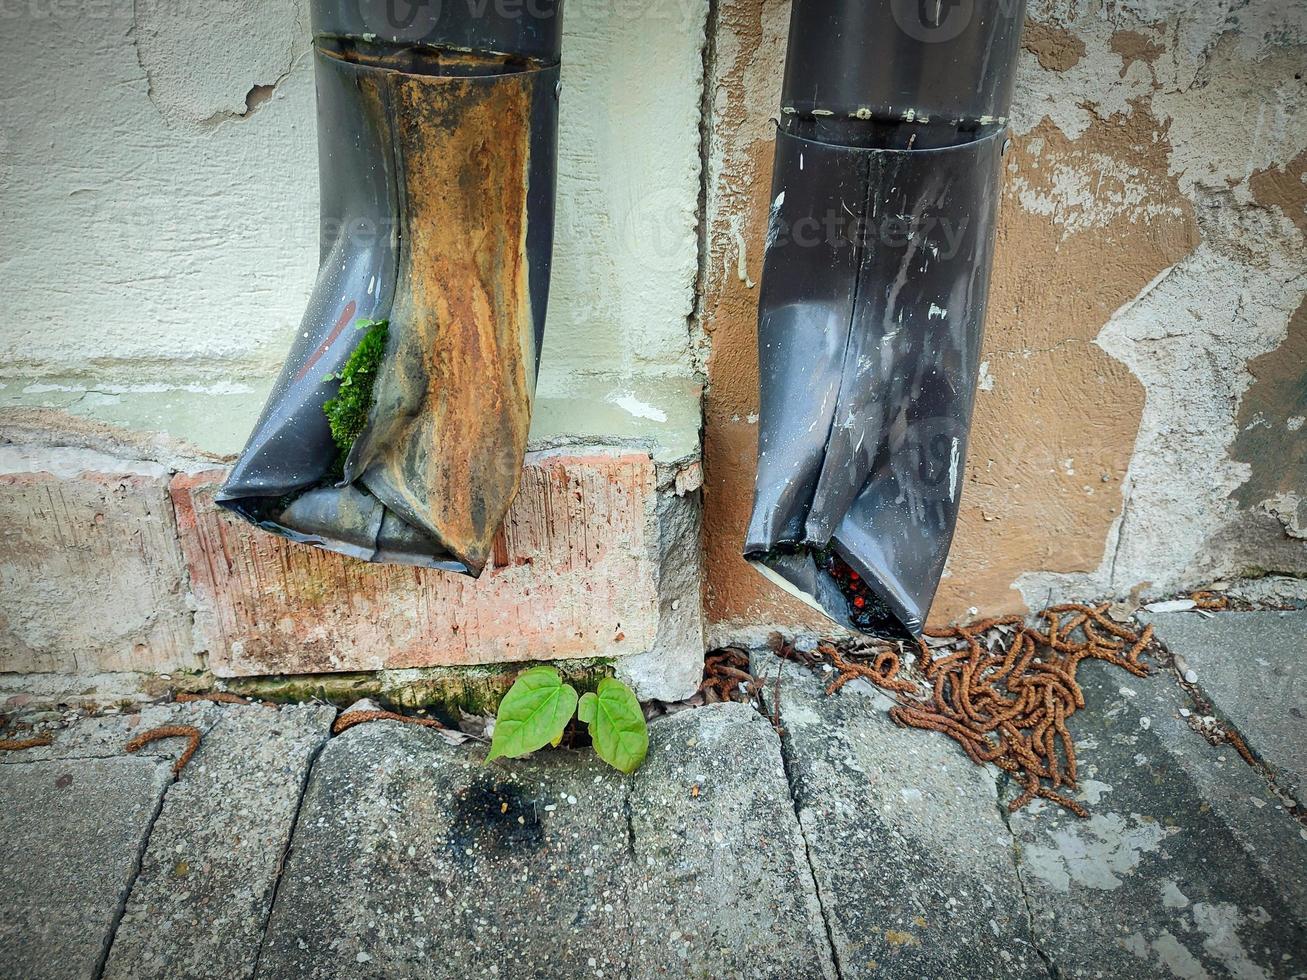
(340,690)
(451,690)
(478,690)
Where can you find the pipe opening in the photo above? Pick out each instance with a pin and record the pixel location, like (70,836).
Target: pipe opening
(888,132)
(424,59)
(830,581)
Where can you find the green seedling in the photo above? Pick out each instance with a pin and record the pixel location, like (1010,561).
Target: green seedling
(538,707)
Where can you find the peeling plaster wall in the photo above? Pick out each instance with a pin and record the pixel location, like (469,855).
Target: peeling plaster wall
(158,242)
(158,216)
(1140,415)
(1223,85)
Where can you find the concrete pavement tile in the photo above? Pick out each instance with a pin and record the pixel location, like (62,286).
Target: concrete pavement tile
(1253,668)
(720,878)
(71,834)
(1185,864)
(205,889)
(413,859)
(913,858)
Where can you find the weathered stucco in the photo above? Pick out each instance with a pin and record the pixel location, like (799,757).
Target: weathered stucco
(159,239)
(159,216)
(1056,416)
(1271,438)
(1140,362)
(1140,414)
(748,56)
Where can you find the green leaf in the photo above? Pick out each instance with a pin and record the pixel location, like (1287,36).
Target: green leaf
(533,714)
(586,709)
(618,730)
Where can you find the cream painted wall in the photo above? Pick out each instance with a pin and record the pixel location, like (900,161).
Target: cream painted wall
(158,215)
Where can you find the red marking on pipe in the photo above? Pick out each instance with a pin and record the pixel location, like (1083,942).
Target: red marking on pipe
(344,321)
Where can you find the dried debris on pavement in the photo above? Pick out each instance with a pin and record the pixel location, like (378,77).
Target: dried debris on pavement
(1003,689)
(188,732)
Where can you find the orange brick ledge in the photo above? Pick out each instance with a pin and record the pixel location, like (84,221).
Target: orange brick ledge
(575,576)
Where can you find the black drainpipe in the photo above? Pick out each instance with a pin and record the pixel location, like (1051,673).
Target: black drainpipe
(885,190)
(437,141)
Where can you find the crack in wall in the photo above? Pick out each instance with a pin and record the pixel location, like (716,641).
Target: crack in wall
(178,96)
(255,99)
(1126,489)
(198,650)
(1031,351)
(259,95)
(698,334)
(134,33)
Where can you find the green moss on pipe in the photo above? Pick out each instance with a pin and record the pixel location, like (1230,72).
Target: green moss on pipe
(347,413)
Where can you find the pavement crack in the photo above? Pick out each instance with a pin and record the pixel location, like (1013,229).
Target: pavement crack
(8,759)
(103,961)
(630,825)
(769,704)
(285,851)
(793,790)
(1206,721)
(628,812)
(1005,815)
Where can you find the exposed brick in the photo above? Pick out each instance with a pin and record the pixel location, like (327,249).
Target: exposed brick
(574,576)
(91,574)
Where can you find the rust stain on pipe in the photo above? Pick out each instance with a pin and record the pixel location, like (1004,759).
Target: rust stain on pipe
(453,403)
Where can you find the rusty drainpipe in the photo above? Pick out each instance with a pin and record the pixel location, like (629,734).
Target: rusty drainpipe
(437,140)
(878,256)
